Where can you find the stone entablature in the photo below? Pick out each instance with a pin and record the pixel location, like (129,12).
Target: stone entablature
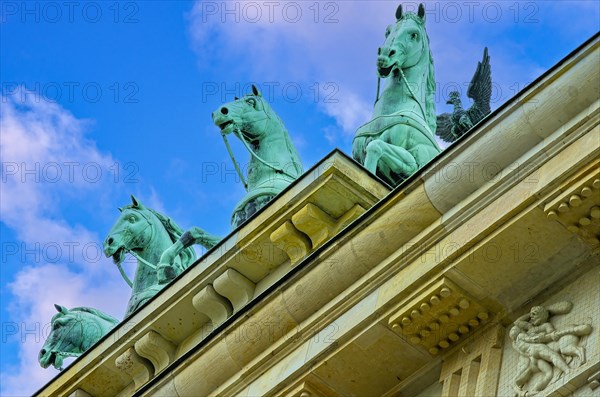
(327,310)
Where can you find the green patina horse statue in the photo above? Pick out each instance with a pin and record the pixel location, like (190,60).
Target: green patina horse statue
(145,234)
(73,332)
(399,139)
(274,162)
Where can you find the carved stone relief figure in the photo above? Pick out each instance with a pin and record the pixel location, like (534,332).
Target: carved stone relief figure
(546,353)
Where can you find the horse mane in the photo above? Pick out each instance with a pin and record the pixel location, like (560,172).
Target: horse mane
(288,140)
(95,312)
(430,116)
(188,255)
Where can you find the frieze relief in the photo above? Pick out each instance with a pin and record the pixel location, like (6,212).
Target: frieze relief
(546,352)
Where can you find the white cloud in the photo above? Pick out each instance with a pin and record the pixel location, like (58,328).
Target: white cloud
(44,151)
(277,47)
(305,52)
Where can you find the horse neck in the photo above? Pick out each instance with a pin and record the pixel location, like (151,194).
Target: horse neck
(397,95)
(275,147)
(90,320)
(145,276)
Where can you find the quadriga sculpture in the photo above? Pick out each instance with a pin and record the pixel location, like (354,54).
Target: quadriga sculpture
(73,332)
(145,234)
(400,137)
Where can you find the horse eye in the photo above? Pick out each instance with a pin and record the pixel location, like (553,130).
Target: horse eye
(414,36)
(251,102)
(387,33)
(132,219)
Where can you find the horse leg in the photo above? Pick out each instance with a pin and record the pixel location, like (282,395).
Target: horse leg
(423,153)
(359,147)
(167,269)
(389,159)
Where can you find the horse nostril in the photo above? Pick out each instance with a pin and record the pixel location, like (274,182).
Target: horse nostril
(110,240)
(379,51)
(224,110)
(42,352)
(392,53)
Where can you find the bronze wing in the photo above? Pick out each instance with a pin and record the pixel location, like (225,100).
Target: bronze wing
(480,89)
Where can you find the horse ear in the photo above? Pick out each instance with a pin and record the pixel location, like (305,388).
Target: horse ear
(120,209)
(134,201)
(235,98)
(421,12)
(61,309)
(255,91)
(399,12)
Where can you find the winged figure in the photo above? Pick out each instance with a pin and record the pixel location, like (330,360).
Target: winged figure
(451,126)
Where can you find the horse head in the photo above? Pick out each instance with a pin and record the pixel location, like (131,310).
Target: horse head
(133,230)
(405,43)
(274,161)
(250,114)
(73,332)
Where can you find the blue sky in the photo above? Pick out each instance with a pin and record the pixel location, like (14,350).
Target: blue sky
(101,100)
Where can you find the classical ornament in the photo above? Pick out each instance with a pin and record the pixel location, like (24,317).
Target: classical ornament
(73,331)
(442,316)
(451,126)
(577,207)
(546,353)
(399,138)
(136,367)
(274,162)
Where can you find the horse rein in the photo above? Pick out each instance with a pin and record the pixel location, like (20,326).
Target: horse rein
(139,258)
(235,163)
(257,157)
(67,354)
(240,133)
(412,93)
(403,78)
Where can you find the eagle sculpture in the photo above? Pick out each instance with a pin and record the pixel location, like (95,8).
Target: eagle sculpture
(451,126)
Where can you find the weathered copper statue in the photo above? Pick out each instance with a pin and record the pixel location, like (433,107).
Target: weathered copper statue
(73,332)
(399,139)
(274,162)
(451,126)
(145,234)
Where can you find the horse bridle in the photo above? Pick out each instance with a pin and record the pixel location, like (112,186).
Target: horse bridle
(240,133)
(403,78)
(67,354)
(130,251)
